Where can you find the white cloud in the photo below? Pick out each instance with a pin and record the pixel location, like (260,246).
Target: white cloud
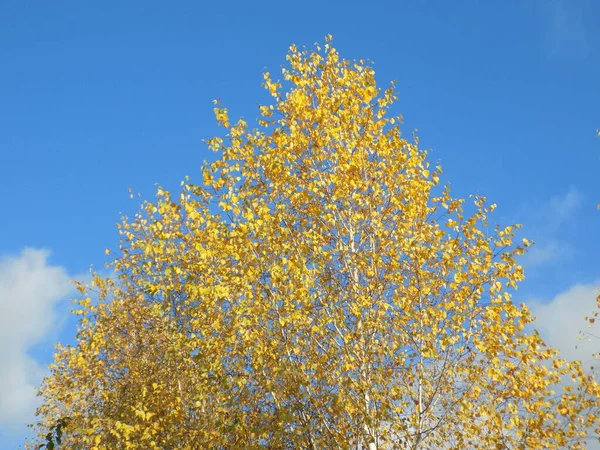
(30,289)
(561,320)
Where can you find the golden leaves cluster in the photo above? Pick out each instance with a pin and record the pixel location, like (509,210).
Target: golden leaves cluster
(318,289)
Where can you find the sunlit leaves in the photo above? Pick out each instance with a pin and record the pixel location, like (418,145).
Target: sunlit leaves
(317,289)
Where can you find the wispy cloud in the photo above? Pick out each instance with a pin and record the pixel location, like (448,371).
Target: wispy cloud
(566,34)
(543,223)
(547,252)
(30,290)
(563,206)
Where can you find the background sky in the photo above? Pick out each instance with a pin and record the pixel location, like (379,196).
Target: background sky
(99,97)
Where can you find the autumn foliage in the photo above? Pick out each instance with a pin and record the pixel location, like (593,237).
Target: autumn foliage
(319,289)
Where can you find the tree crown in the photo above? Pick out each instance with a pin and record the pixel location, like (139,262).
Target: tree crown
(318,289)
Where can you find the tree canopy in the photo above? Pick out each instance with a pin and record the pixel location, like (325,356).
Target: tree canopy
(318,289)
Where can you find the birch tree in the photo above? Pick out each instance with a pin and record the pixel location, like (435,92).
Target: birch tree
(317,288)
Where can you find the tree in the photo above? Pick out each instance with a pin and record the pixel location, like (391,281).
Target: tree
(319,289)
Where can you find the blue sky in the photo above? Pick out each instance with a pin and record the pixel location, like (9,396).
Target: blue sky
(99,97)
